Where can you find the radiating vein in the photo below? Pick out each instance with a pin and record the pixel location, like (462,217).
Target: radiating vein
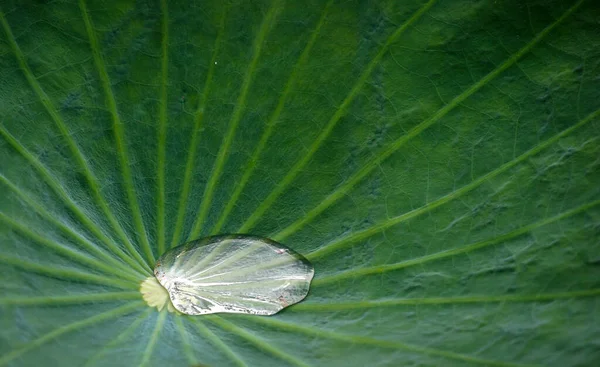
(235,119)
(71,299)
(380,269)
(217,342)
(65,250)
(66,274)
(77,153)
(340,112)
(376,162)
(60,191)
(258,342)
(514,298)
(162,131)
(153,338)
(185,341)
(136,268)
(198,117)
(362,340)
(119,135)
(377,228)
(74,326)
(251,163)
(121,338)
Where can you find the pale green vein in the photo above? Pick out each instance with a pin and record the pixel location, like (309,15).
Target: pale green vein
(66,274)
(258,342)
(362,340)
(349,239)
(121,338)
(136,268)
(380,269)
(162,131)
(74,326)
(185,341)
(340,112)
(53,183)
(65,250)
(154,338)
(72,299)
(79,157)
(376,162)
(217,342)
(514,298)
(119,135)
(198,117)
(251,163)
(235,119)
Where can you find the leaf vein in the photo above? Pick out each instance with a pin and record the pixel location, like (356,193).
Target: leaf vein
(542,297)
(67,274)
(64,250)
(362,340)
(48,337)
(235,119)
(162,131)
(455,251)
(258,342)
(340,112)
(185,340)
(75,150)
(136,268)
(153,338)
(251,163)
(217,342)
(198,117)
(120,338)
(119,134)
(60,191)
(345,241)
(345,187)
(72,299)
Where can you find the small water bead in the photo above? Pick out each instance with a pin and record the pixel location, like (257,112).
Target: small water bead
(233,273)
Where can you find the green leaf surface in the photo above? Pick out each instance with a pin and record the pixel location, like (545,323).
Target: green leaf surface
(437,161)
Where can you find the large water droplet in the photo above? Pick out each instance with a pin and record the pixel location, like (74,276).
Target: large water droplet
(235,273)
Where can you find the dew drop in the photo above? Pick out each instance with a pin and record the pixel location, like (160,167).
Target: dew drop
(233,273)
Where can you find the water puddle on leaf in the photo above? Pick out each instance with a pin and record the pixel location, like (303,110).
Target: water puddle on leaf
(234,273)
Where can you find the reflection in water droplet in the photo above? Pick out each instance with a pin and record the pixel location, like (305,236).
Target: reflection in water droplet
(234,273)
